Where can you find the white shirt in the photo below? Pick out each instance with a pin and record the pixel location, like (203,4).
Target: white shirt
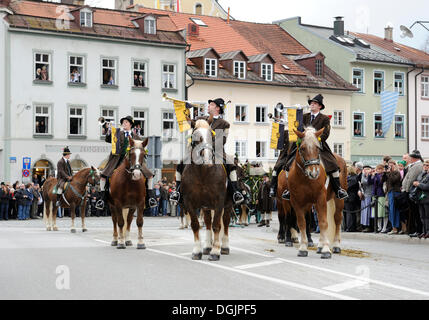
(65,159)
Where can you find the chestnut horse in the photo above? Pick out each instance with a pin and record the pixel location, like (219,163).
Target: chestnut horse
(204,187)
(74,195)
(128,193)
(307,185)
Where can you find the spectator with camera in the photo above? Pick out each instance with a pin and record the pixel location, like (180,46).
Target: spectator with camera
(422,184)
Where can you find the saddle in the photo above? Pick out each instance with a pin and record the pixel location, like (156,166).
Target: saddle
(62,185)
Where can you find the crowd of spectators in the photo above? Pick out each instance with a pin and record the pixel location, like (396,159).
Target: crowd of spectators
(392,197)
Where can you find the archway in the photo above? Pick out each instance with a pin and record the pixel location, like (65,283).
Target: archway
(43,169)
(77,164)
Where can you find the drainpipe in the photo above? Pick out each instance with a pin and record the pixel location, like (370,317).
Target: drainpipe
(415,115)
(188,48)
(408,108)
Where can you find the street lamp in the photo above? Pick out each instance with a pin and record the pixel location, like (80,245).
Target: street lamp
(406,32)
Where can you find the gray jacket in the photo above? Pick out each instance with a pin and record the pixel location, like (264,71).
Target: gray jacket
(367,188)
(414,170)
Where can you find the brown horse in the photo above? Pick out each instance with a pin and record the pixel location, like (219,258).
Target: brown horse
(74,195)
(128,193)
(204,187)
(307,184)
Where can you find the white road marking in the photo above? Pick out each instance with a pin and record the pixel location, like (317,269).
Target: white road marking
(252,252)
(363,279)
(258,276)
(257,265)
(346,286)
(102,241)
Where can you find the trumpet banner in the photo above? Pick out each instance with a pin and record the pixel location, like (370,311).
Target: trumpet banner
(295,121)
(181,113)
(277,136)
(115,141)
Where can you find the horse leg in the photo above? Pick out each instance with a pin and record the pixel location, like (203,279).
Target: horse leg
(209,239)
(140,243)
(82,216)
(187,220)
(195,225)
(217,228)
(282,224)
(303,250)
(323,246)
(129,219)
(339,204)
(225,238)
(245,214)
(307,228)
(121,225)
(115,227)
(73,216)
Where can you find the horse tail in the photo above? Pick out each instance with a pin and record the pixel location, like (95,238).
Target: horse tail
(330,217)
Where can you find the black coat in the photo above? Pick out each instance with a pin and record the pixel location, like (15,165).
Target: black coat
(352,190)
(265,202)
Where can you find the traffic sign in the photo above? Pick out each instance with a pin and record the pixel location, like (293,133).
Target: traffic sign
(26,173)
(26,163)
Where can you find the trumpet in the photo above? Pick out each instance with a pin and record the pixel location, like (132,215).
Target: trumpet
(105,123)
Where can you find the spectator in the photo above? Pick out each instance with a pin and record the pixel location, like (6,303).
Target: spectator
(352,203)
(173,207)
(75,76)
(422,183)
(44,73)
(164,199)
(21,198)
(413,169)
(4,202)
(111,81)
(265,202)
(36,198)
(359,169)
(393,183)
(92,202)
(13,209)
(136,80)
(140,81)
(401,168)
(28,200)
(39,74)
(377,180)
(365,194)
(155,210)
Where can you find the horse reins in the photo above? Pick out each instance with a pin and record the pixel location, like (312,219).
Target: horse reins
(136,166)
(307,163)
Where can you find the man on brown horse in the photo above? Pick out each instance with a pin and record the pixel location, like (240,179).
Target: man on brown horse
(216,108)
(115,159)
(319,121)
(64,173)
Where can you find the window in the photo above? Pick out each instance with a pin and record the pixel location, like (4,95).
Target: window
(399,127)
(319,67)
(240,69)
(399,83)
(150,25)
(86,19)
(109,115)
(109,71)
(199,22)
(358,79)
(425,86)
(199,9)
(42,67)
(42,120)
(339,149)
(139,121)
(168,124)
(425,127)
(378,126)
(168,76)
(261,114)
(139,73)
(76,69)
(261,147)
(241,149)
(339,118)
(267,72)
(76,121)
(211,67)
(358,124)
(378,82)
(241,113)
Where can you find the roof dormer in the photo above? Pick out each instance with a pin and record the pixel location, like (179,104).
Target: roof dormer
(236,63)
(206,60)
(313,62)
(263,65)
(146,23)
(84,16)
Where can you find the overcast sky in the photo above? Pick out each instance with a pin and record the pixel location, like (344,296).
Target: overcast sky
(360,15)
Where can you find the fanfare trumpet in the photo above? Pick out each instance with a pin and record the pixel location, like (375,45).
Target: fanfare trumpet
(105,122)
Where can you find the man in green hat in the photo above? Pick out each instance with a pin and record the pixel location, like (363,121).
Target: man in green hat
(64,173)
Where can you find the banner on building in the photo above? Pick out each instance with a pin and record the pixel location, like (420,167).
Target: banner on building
(389,103)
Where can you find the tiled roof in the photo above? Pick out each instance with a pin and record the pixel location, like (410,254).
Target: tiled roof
(258,57)
(198,53)
(106,23)
(418,57)
(305,56)
(230,55)
(255,40)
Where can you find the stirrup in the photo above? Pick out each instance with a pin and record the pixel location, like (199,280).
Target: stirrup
(152,203)
(344,194)
(175,197)
(286,195)
(237,197)
(99,205)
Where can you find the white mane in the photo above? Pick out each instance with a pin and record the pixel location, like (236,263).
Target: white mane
(310,137)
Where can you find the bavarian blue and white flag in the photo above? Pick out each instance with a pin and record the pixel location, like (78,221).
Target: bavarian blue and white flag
(389,102)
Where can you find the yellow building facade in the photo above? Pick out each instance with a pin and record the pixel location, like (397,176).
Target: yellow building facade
(200,7)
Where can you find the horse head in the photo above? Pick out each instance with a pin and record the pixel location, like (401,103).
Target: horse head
(309,148)
(94,176)
(202,143)
(136,158)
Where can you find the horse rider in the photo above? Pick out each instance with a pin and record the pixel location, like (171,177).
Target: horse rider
(216,109)
(64,173)
(318,121)
(281,162)
(127,124)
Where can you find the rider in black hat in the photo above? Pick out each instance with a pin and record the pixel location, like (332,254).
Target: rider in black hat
(318,121)
(64,173)
(216,108)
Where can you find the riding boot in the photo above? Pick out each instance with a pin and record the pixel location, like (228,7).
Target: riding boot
(340,193)
(237,197)
(273,189)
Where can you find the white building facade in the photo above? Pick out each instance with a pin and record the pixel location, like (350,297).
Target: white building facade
(86,77)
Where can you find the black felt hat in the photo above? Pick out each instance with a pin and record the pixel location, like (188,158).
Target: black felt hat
(416,155)
(319,100)
(220,103)
(66,151)
(129,119)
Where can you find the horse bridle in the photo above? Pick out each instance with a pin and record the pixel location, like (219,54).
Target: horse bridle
(136,166)
(308,163)
(202,146)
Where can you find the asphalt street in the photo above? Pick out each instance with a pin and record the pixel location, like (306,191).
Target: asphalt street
(37,264)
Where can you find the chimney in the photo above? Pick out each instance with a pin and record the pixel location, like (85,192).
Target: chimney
(388,33)
(339,26)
